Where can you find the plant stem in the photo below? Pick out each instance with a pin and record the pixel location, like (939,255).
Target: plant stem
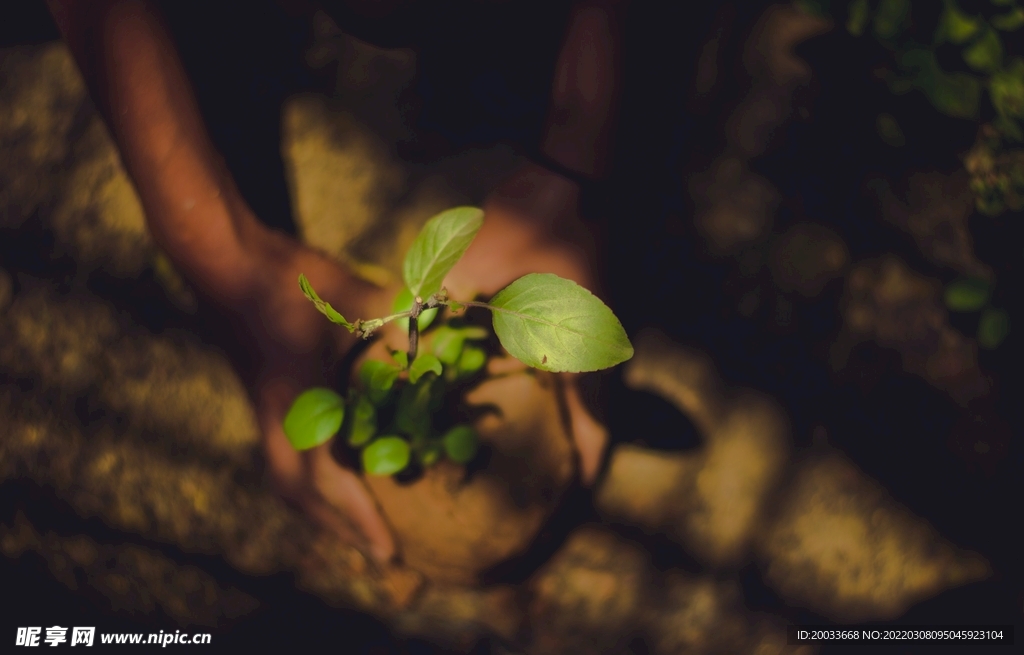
(414,328)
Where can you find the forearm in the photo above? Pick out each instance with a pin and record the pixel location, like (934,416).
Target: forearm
(192,207)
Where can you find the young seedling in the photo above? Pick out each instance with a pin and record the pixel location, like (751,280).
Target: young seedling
(391,415)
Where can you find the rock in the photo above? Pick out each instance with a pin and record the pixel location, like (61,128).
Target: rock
(587,598)
(714,504)
(806,258)
(935,213)
(134,580)
(41,93)
(891,305)
(842,548)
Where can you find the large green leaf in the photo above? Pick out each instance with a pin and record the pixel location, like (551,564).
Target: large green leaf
(441,243)
(314,418)
(1006,88)
(323,307)
(554,324)
(386,455)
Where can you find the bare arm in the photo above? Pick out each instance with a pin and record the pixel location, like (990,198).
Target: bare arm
(193,209)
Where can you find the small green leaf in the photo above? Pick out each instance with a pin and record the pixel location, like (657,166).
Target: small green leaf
(402,358)
(448,342)
(362,421)
(957,94)
(429,455)
(441,243)
(403,303)
(314,418)
(323,307)
(993,328)
(967,295)
(956,26)
(858,19)
(554,324)
(425,363)
(377,379)
(471,361)
(890,17)
(889,130)
(460,443)
(412,414)
(386,455)
(985,54)
(1009,22)
(1006,88)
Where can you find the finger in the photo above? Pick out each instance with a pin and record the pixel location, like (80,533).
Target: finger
(348,496)
(590,437)
(334,497)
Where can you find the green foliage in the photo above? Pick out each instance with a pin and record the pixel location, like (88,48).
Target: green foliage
(460,443)
(322,306)
(993,328)
(377,379)
(890,17)
(386,455)
(554,324)
(362,421)
(967,294)
(314,418)
(546,321)
(425,363)
(441,243)
(403,303)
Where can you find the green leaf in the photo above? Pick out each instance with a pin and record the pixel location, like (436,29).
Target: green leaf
(425,363)
(554,324)
(448,342)
(363,421)
(889,130)
(429,455)
(412,414)
(322,306)
(401,357)
(386,455)
(993,328)
(441,243)
(860,12)
(1009,22)
(1006,88)
(985,54)
(314,418)
(471,361)
(460,443)
(967,295)
(956,26)
(403,303)
(377,379)
(890,17)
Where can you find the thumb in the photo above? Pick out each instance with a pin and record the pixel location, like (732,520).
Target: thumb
(590,436)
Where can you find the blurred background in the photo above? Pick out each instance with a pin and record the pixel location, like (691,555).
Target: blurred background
(812,227)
